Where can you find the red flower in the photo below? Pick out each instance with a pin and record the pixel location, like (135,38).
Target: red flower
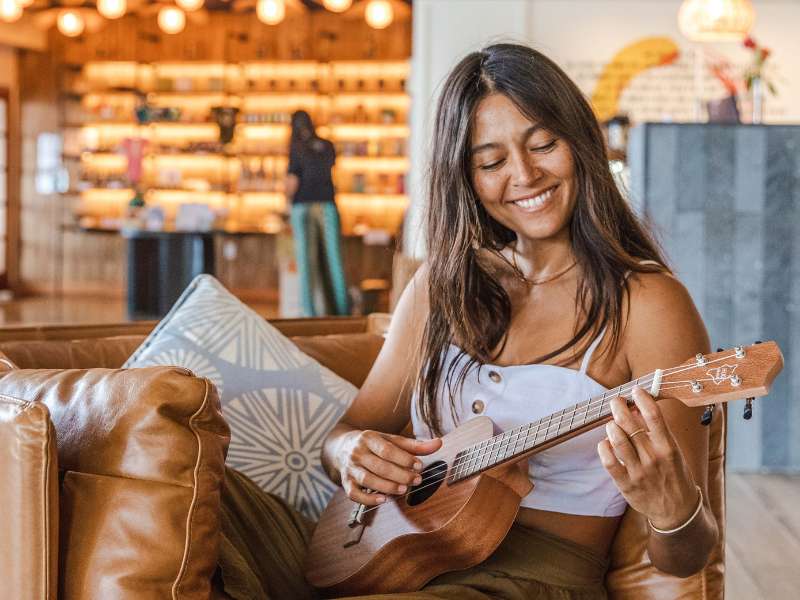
(749,42)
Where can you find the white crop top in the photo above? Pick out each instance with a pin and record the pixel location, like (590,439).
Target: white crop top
(568,477)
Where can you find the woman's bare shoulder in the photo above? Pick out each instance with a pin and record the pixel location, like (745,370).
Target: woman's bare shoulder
(411,312)
(662,322)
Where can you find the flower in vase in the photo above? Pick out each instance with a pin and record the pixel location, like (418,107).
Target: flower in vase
(757,67)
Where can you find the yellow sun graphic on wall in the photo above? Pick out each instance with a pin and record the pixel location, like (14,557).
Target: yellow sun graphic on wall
(629,62)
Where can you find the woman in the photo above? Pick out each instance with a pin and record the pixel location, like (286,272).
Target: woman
(314,218)
(538,273)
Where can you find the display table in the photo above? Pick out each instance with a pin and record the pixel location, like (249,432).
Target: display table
(160,266)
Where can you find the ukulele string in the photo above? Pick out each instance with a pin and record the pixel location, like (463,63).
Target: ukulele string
(438,470)
(593,404)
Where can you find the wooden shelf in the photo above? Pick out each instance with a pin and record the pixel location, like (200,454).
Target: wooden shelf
(338,110)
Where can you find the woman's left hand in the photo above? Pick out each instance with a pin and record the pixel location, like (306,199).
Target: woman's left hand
(642,456)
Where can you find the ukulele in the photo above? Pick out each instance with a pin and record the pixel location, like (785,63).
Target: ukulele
(471,490)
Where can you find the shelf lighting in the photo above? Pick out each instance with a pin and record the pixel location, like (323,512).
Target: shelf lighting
(24,3)
(70,23)
(367,132)
(337,6)
(379,69)
(715,20)
(264,131)
(10,11)
(379,14)
(190,5)
(112,9)
(271,12)
(171,20)
(378,164)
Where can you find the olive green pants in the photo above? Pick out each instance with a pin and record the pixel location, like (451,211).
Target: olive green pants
(264,543)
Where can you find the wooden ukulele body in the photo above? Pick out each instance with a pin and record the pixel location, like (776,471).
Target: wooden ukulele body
(404,544)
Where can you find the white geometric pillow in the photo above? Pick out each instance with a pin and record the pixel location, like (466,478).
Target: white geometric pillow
(279,402)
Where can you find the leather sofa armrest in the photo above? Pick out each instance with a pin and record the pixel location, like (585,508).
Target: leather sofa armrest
(29,501)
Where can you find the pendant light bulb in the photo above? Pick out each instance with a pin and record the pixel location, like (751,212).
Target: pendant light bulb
(271,12)
(337,6)
(716,20)
(112,9)
(10,11)
(190,5)
(70,23)
(379,14)
(171,20)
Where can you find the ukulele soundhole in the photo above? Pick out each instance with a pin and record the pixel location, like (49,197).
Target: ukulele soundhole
(432,477)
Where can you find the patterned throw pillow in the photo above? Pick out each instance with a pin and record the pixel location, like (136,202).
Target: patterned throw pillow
(279,403)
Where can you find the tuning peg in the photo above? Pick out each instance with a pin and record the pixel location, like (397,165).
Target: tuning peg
(707,415)
(748,408)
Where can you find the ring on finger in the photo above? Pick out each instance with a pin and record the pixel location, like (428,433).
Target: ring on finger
(637,432)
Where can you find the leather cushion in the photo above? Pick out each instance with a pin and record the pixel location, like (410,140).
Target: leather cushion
(348,355)
(109,352)
(144,453)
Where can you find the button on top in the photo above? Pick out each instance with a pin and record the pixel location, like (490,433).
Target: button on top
(495,376)
(477,407)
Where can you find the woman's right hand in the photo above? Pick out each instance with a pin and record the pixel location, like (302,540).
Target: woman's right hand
(382,462)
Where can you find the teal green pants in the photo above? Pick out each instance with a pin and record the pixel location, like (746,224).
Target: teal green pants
(317,246)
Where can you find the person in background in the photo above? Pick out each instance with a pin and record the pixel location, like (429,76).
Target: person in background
(315,219)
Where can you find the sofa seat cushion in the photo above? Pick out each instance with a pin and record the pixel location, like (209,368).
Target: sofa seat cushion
(143,453)
(280,403)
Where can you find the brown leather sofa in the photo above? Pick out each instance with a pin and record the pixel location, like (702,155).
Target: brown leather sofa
(62,419)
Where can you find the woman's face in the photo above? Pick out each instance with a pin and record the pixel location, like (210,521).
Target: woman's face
(523,174)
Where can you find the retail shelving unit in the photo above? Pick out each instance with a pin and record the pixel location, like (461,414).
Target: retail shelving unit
(361,106)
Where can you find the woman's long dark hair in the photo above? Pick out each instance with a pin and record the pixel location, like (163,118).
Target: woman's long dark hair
(468,305)
(303,131)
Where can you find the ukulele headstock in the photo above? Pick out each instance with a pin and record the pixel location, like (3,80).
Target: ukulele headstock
(725,375)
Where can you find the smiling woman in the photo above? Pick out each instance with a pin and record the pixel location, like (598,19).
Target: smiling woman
(521,168)
(541,289)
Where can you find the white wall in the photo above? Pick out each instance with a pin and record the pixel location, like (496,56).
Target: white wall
(445,31)
(582,36)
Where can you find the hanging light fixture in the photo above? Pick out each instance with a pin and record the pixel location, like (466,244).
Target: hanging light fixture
(337,6)
(70,23)
(716,20)
(271,12)
(10,10)
(190,5)
(112,9)
(171,19)
(379,14)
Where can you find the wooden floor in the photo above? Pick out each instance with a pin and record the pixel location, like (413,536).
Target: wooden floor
(763,524)
(763,550)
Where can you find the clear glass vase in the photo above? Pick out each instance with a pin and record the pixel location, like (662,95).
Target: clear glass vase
(757,100)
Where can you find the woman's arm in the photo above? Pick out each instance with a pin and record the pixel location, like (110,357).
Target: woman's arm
(363,450)
(291,184)
(660,470)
